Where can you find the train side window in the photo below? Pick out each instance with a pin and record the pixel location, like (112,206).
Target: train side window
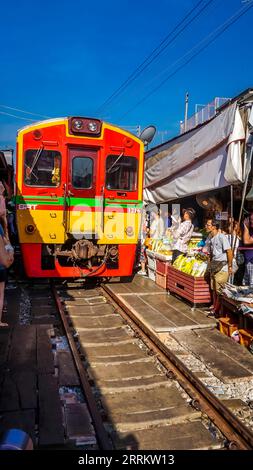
(121,172)
(42,167)
(82,172)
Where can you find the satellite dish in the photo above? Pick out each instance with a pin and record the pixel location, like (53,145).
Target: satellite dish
(209,202)
(147,134)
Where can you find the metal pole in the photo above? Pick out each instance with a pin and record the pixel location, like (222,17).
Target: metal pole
(246,177)
(186,111)
(231,207)
(233,239)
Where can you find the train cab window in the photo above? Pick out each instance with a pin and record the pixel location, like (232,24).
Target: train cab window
(82,172)
(42,168)
(121,172)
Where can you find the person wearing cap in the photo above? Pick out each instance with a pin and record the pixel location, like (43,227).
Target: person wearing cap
(182,233)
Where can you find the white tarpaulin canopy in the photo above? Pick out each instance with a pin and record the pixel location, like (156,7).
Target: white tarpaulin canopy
(204,159)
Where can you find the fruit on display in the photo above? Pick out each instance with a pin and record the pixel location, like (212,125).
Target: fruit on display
(160,246)
(193,265)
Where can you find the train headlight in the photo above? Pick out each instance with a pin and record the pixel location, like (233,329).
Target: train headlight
(77,124)
(92,126)
(37,134)
(85,126)
(30,229)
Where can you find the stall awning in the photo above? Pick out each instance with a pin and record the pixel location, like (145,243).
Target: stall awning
(204,159)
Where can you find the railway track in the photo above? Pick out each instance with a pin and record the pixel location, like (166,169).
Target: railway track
(139,395)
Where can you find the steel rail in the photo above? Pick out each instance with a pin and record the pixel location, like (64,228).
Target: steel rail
(237,434)
(102,437)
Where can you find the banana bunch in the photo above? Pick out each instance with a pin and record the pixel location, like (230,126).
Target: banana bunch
(156,245)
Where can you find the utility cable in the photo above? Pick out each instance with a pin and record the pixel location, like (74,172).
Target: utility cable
(23,111)
(155,51)
(18,117)
(220,30)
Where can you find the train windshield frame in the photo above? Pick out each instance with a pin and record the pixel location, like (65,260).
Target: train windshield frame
(80,175)
(42,168)
(121,173)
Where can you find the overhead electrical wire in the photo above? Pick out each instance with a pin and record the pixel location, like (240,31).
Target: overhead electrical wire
(18,117)
(23,111)
(220,30)
(155,53)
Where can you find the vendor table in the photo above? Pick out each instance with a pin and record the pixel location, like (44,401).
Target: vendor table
(230,306)
(194,289)
(232,319)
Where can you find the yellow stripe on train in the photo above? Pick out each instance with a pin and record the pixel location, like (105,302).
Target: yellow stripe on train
(48,226)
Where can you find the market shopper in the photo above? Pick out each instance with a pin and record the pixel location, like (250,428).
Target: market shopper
(182,233)
(248,251)
(3,212)
(145,244)
(6,259)
(157,226)
(221,259)
(234,234)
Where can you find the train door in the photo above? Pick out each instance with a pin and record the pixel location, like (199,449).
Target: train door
(121,196)
(80,191)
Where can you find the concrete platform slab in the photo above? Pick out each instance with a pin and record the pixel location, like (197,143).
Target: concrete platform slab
(124,371)
(226,368)
(77,293)
(223,343)
(130,410)
(156,309)
(118,386)
(185,436)
(76,308)
(115,353)
(93,337)
(138,283)
(99,323)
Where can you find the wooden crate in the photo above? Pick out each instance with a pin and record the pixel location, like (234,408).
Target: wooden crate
(151,273)
(194,289)
(161,280)
(227,326)
(151,258)
(162,267)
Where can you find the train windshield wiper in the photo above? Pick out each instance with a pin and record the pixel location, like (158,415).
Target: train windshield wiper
(114,163)
(36,158)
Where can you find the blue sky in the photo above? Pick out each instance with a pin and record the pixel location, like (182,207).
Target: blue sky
(61,58)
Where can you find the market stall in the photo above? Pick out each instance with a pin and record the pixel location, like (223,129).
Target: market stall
(212,160)
(187,275)
(236,315)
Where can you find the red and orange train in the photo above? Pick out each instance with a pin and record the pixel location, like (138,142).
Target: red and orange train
(78,198)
